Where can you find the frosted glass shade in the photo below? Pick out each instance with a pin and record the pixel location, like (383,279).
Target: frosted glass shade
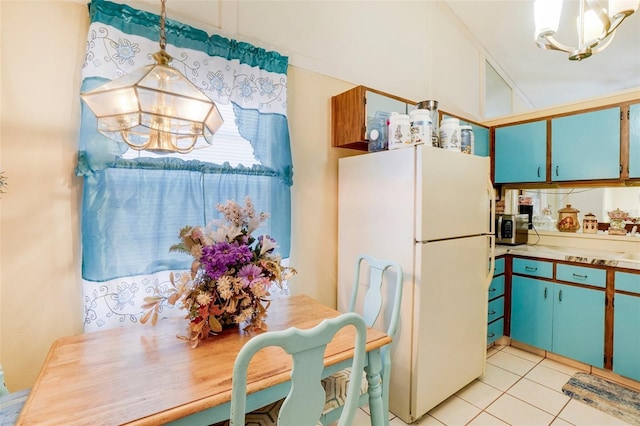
(547,15)
(625,7)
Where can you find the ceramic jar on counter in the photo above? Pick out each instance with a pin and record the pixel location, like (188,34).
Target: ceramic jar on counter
(590,224)
(568,219)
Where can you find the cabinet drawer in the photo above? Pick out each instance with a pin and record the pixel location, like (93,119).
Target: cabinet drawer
(495,330)
(498,267)
(582,275)
(496,309)
(497,287)
(626,282)
(534,268)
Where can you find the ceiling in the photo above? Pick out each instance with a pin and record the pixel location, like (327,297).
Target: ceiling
(505,29)
(544,77)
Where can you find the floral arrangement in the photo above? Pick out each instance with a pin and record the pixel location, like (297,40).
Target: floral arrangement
(230,275)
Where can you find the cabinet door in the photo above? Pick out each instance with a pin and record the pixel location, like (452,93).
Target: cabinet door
(578,324)
(626,336)
(521,153)
(531,311)
(634,141)
(586,146)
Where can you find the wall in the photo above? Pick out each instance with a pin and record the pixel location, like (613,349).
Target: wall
(41,53)
(39,225)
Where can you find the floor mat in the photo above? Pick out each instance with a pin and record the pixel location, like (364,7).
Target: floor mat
(606,396)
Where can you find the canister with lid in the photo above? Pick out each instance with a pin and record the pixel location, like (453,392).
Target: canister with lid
(399,131)
(432,107)
(450,134)
(590,224)
(466,140)
(568,219)
(420,126)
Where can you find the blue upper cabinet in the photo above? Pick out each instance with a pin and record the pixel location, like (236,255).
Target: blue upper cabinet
(634,141)
(586,146)
(521,153)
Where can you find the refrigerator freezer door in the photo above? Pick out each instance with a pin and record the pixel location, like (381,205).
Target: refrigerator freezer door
(452,194)
(450,314)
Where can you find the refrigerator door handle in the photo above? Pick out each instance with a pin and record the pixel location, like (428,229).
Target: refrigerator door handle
(492,233)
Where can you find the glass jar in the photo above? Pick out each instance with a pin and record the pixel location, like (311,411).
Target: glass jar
(544,221)
(568,219)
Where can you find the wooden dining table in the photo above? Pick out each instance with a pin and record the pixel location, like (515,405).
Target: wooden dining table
(146,375)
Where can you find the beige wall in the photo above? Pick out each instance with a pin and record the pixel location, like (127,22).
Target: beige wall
(42,50)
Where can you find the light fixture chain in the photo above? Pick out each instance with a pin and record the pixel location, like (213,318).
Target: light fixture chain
(163,17)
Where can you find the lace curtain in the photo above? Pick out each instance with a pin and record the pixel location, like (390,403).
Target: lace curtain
(135,203)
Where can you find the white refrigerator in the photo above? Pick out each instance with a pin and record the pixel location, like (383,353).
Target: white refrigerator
(430,210)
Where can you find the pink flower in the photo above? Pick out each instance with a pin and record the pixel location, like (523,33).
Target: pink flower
(249,273)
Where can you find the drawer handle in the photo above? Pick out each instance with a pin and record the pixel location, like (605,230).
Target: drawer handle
(581,277)
(531,268)
(491,290)
(491,334)
(492,313)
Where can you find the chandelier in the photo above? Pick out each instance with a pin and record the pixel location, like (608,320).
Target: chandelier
(596,25)
(155,107)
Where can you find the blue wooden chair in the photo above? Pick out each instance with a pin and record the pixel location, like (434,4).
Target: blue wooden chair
(304,404)
(372,306)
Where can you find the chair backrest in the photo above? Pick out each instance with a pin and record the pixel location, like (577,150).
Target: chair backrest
(304,404)
(374,297)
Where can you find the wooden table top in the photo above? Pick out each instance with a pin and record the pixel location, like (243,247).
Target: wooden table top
(142,374)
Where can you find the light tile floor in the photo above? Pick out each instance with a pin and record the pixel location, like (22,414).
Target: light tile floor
(518,388)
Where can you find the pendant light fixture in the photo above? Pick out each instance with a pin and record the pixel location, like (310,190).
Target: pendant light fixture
(155,108)
(596,25)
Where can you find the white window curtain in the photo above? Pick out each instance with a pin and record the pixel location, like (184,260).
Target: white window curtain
(135,203)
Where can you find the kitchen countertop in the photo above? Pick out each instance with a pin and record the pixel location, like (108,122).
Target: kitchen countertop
(578,255)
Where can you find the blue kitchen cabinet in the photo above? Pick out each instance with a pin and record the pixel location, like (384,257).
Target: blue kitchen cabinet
(634,141)
(564,319)
(626,326)
(480,140)
(495,314)
(578,324)
(532,311)
(520,153)
(586,146)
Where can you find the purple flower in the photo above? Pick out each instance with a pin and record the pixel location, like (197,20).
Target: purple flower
(218,258)
(249,273)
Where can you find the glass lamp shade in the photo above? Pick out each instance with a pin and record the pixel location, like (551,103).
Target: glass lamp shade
(154,108)
(594,28)
(547,16)
(624,7)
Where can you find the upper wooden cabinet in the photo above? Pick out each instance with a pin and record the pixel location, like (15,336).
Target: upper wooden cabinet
(355,113)
(586,146)
(634,141)
(521,153)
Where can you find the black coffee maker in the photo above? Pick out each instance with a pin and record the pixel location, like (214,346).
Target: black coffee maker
(528,209)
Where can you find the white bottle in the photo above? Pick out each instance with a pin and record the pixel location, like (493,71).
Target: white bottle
(420,126)
(450,134)
(399,131)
